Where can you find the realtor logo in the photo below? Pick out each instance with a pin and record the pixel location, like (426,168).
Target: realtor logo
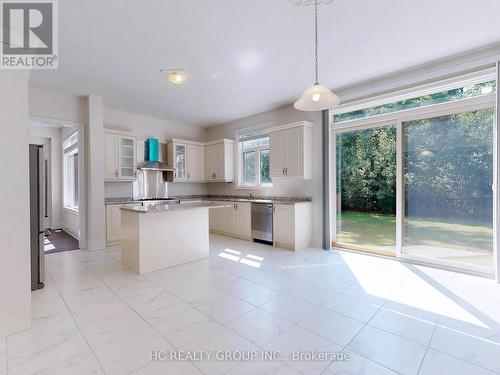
(29,34)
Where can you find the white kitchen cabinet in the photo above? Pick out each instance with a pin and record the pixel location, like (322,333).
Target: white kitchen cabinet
(188,159)
(114,223)
(292,225)
(283,224)
(234,221)
(127,158)
(291,151)
(196,163)
(120,157)
(110,157)
(243,220)
(219,161)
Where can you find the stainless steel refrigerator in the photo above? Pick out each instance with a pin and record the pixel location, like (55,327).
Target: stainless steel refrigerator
(37,215)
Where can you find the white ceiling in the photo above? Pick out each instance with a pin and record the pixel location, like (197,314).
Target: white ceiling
(248,56)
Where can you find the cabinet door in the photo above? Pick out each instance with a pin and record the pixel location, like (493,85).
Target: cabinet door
(283,224)
(110,157)
(196,163)
(210,162)
(214,215)
(219,161)
(113,223)
(127,156)
(215,162)
(293,148)
(227,224)
(180,161)
(276,154)
(243,220)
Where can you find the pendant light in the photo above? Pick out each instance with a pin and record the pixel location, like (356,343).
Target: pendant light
(316,97)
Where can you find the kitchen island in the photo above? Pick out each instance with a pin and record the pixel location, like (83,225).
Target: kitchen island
(158,237)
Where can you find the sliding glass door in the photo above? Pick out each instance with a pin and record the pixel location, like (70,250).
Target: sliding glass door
(415,178)
(366,189)
(448,195)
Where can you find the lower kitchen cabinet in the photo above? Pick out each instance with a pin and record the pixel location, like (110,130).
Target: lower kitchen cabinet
(292,225)
(234,221)
(114,223)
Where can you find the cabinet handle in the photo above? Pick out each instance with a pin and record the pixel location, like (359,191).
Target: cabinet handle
(283,171)
(116,173)
(189,176)
(286,171)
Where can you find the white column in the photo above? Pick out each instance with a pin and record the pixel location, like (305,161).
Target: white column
(94,151)
(15,271)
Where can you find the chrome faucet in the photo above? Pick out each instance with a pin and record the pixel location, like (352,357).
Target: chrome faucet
(250,195)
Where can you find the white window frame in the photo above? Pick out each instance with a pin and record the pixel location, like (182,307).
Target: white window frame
(263,133)
(398,118)
(70,190)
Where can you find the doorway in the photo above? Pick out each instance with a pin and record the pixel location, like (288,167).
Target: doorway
(59,145)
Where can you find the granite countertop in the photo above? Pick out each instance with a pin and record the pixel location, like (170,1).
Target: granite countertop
(268,200)
(176,207)
(109,201)
(231,198)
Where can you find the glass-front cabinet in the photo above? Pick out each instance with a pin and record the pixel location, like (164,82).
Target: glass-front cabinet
(177,157)
(120,156)
(127,158)
(180,161)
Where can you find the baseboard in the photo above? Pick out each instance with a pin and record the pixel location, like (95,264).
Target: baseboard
(227,234)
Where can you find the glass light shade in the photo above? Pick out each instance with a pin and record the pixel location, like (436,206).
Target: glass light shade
(317,98)
(177,77)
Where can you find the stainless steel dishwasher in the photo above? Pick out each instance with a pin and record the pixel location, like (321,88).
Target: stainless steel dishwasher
(262,222)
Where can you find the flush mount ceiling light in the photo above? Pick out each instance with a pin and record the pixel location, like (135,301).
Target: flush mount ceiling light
(176,76)
(316,97)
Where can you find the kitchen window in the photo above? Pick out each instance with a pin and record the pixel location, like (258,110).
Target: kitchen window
(253,158)
(70,170)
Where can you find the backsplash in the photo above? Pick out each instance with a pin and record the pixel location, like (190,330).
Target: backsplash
(300,189)
(124,189)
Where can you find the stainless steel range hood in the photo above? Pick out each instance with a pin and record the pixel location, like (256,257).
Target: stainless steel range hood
(156,166)
(152,162)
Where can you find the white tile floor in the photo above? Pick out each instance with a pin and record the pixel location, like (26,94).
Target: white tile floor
(96,317)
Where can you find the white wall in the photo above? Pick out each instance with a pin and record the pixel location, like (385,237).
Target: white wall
(52,137)
(57,106)
(15,290)
(149,127)
(145,127)
(308,188)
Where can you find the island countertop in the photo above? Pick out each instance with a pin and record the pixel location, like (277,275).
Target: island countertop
(177,207)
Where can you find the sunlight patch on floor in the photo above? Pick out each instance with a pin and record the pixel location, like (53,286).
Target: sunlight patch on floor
(249,260)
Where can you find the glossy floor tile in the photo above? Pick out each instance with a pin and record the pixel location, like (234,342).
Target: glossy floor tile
(370,315)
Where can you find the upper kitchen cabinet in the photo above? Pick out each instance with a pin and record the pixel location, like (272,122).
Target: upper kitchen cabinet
(188,159)
(120,156)
(291,151)
(219,161)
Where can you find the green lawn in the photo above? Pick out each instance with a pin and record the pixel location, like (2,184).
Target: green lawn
(378,232)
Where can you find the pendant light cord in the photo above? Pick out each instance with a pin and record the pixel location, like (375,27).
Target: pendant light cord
(316,38)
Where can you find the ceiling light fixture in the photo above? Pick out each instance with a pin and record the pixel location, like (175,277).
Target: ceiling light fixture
(176,76)
(316,97)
